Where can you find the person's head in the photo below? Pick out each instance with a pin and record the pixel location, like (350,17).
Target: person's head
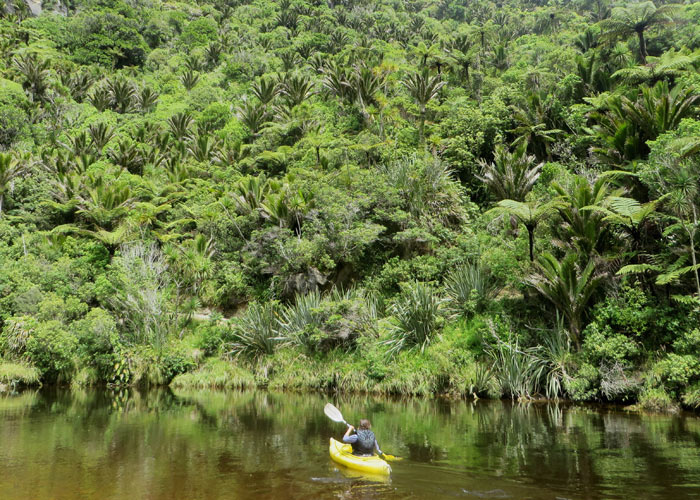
(365,424)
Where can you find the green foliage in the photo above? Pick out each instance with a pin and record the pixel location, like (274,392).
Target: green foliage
(13,113)
(256,332)
(215,374)
(199,32)
(51,348)
(106,38)
(417,319)
(517,370)
(187,180)
(470,289)
(656,400)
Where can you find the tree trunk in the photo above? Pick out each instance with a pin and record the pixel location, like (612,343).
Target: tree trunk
(531,238)
(691,234)
(2,197)
(642,46)
(421,128)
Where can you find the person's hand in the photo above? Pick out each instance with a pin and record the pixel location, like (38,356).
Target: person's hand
(351,427)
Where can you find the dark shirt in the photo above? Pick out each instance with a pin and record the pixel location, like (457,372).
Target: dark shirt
(353,439)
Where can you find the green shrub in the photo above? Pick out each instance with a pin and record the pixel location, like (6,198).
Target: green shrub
(676,371)
(106,38)
(18,373)
(582,384)
(656,400)
(51,347)
(215,374)
(256,332)
(98,338)
(199,32)
(211,336)
(470,288)
(691,396)
(13,115)
(602,344)
(416,315)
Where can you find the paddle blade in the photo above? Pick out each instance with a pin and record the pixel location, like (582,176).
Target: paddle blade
(390,458)
(333,413)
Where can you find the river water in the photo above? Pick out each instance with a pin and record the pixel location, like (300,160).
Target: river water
(102,444)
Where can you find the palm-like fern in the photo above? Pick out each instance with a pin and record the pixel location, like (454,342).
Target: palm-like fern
(512,174)
(529,214)
(11,167)
(568,287)
(636,19)
(423,88)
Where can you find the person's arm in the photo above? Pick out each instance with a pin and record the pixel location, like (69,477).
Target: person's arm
(376,445)
(347,438)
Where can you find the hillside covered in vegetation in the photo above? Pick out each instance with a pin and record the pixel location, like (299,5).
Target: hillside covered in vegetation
(411,197)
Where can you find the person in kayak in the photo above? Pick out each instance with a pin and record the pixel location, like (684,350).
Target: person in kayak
(363,441)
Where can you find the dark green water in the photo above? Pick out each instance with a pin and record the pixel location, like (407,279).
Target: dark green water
(227,445)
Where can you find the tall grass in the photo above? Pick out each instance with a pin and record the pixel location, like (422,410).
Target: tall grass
(518,370)
(417,318)
(557,354)
(300,320)
(256,333)
(14,374)
(469,289)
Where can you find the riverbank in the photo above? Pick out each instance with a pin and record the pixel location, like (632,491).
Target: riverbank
(475,358)
(15,376)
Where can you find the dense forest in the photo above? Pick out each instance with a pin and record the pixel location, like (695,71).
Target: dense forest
(486,199)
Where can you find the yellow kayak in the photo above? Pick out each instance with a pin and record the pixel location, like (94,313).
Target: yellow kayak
(342,453)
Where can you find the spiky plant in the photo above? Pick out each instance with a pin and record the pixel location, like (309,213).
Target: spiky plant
(469,289)
(637,19)
(100,134)
(299,321)
(512,174)
(568,286)
(180,125)
(423,88)
(256,333)
(189,79)
(147,99)
(11,167)
(416,319)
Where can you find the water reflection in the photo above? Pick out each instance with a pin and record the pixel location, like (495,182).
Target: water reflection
(167,445)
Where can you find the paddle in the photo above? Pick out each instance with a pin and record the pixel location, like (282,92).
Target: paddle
(334,414)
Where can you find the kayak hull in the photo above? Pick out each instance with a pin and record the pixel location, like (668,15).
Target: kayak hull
(342,454)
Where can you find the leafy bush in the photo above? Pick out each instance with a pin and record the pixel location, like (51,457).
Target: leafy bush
(582,385)
(470,288)
(13,115)
(18,374)
(52,348)
(656,400)
(602,344)
(256,332)
(416,314)
(106,38)
(518,370)
(98,338)
(691,396)
(676,371)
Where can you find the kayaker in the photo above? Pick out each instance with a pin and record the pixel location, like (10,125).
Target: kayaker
(363,441)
